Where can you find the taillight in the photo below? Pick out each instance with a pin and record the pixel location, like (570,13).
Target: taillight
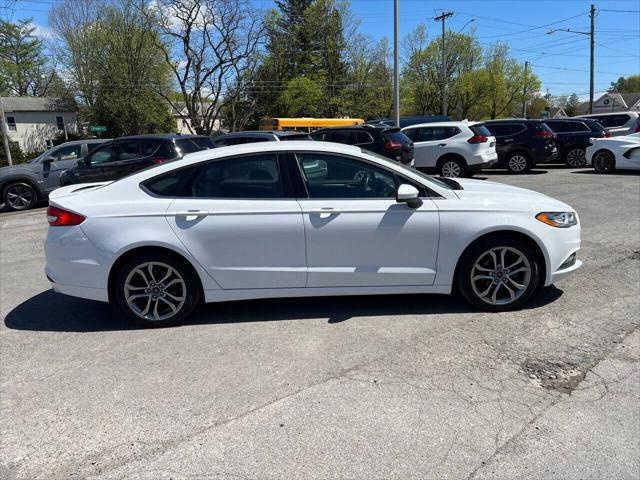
(543,134)
(158,160)
(392,145)
(57,217)
(478,139)
(607,134)
(638,128)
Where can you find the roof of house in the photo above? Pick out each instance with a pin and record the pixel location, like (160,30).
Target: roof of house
(37,104)
(630,98)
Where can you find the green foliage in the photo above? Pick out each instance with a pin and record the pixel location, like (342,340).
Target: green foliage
(630,84)
(17,155)
(302,98)
(24,68)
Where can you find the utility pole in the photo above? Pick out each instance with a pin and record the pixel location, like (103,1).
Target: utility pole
(592,47)
(396,68)
(5,134)
(443,91)
(592,52)
(524,91)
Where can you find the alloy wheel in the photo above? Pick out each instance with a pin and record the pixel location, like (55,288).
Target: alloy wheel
(451,169)
(603,162)
(576,158)
(517,163)
(19,196)
(154,291)
(501,275)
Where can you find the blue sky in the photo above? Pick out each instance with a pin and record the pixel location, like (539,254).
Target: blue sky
(561,60)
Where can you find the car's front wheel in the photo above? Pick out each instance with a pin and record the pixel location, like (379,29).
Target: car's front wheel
(604,162)
(156,289)
(498,274)
(518,162)
(19,196)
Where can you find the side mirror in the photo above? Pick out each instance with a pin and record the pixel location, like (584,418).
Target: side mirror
(82,163)
(408,194)
(49,160)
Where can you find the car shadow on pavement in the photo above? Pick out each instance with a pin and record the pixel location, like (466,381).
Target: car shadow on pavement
(50,311)
(623,173)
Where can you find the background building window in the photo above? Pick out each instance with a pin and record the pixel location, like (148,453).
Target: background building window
(11,124)
(60,123)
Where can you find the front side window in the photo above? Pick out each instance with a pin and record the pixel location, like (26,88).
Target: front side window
(332,176)
(255,176)
(72,152)
(101,155)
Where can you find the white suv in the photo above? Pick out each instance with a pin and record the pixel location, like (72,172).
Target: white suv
(617,123)
(453,149)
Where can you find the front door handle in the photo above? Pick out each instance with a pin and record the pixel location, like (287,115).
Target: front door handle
(442,144)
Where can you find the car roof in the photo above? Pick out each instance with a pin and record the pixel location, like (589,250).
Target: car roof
(158,136)
(499,120)
(587,115)
(452,123)
(364,126)
(253,133)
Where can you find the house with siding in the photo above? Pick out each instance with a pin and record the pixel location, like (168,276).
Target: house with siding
(33,122)
(612,102)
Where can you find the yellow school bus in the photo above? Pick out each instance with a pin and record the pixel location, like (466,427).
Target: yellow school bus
(306,124)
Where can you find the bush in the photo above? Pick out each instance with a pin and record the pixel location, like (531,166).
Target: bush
(17,155)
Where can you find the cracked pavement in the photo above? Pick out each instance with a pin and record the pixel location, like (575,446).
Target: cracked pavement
(362,387)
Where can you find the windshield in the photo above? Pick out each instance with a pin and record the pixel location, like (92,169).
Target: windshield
(424,176)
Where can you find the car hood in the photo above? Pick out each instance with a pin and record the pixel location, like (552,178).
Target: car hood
(630,140)
(17,169)
(500,196)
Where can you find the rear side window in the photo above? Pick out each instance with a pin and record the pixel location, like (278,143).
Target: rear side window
(347,137)
(255,176)
(171,184)
(579,127)
(499,130)
(148,147)
(613,121)
(126,150)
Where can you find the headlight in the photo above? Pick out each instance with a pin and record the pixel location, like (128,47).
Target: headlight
(558,219)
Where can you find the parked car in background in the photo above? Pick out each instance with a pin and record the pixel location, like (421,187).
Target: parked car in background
(126,155)
(609,154)
(521,144)
(301,219)
(573,137)
(617,123)
(407,121)
(453,149)
(381,139)
(239,138)
(23,185)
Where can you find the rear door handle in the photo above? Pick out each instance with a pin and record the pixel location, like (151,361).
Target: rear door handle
(442,144)
(326,212)
(192,214)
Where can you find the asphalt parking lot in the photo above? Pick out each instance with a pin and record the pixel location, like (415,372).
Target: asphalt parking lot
(359,387)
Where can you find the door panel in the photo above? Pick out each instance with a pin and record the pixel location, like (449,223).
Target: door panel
(370,242)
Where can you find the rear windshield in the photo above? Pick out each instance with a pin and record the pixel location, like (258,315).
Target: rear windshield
(204,142)
(396,136)
(481,130)
(188,145)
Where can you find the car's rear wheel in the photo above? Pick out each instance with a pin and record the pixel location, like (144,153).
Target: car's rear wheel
(19,196)
(498,274)
(604,162)
(156,289)
(518,162)
(575,157)
(452,168)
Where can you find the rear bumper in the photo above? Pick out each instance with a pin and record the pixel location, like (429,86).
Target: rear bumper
(476,167)
(99,294)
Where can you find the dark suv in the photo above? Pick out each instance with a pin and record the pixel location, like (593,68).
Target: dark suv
(126,155)
(408,121)
(382,139)
(238,138)
(521,144)
(572,138)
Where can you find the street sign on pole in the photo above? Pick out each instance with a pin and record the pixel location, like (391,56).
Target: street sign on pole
(97,128)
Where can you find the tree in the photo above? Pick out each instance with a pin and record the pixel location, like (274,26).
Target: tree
(302,98)
(571,106)
(24,67)
(630,84)
(208,45)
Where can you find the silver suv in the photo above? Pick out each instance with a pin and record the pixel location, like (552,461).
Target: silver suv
(23,185)
(617,123)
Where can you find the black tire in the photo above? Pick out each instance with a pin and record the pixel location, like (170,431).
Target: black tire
(452,167)
(604,161)
(575,157)
(518,162)
(189,289)
(477,253)
(19,196)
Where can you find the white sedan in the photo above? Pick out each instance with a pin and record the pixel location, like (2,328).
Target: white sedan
(294,219)
(609,154)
